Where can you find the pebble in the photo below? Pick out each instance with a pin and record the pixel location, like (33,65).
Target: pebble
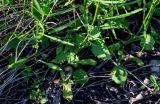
(137,98)
(155,67)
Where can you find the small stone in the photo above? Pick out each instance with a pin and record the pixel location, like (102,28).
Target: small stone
(139,54)
(68,68)
(137,98)
(53,95)
(56,81)
(155,67)
(135,47)
(119,96)
(113,89)
(146,81)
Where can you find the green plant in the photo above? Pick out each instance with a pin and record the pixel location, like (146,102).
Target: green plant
(37,94)
(119,75)
(154,82)
(79,76)
(60,31)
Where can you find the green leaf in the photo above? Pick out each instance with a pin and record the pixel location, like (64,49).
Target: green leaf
(157,11)
(43,101)
(37,11)
(147,42)
(115,24)
(72,57)
(62,27)
(6,2)
(17,63)
(52,66)
(27,73)
(33,95)
(61,56)
(80,76)
(59,40)
(13,43)
(126,14)
(114,47)
(46,7)
(87,62)
(11,59)
(85,12)
(100,50)
(154,82)
(94,33)
(119,75)
(153,78)
(137,60)
(57,13)
(67,90)
(65,55)
(69,2)
(106,2)
(79,39)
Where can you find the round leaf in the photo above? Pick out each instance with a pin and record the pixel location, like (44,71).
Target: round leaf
(80,76)
(67,90)
(147,42)
(119,75)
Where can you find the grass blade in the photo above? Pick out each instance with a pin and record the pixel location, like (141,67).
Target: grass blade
(59,40)
(126,14)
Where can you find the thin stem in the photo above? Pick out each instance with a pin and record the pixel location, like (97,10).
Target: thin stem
(96,13)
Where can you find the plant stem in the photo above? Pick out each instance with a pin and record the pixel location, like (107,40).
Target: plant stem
(149,15)
(96,13)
